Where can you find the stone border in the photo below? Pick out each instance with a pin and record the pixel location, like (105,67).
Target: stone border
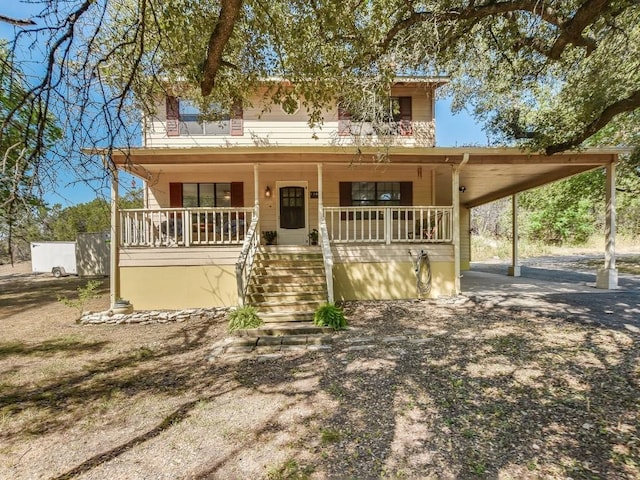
(151,316)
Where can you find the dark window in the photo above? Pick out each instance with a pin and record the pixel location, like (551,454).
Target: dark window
(206,194)
(385,194)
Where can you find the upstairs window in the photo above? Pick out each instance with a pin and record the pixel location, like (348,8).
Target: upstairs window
(393,117)
(184,118)
(192,123)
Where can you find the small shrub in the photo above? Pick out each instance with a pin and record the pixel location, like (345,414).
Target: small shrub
(85,294)
(329,315)
(244,317)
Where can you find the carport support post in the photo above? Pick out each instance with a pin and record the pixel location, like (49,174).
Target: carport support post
(514,269)
(114,279)
(607,277)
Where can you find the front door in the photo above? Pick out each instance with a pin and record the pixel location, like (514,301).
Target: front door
(292,213)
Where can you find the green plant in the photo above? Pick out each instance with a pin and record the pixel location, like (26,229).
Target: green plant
(331,316)
(85,294)
(270,236)
(290,470)
(313,237)
(243,317)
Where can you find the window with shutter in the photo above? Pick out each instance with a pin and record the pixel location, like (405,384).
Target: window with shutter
(173,116)
(185,118)
(344,120)
(237,120)
(206,195)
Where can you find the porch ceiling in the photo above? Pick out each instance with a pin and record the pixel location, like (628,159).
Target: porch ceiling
(486,173)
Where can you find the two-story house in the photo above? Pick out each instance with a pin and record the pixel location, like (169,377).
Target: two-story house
(374,198)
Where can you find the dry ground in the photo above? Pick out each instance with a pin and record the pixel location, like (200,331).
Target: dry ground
(488,394)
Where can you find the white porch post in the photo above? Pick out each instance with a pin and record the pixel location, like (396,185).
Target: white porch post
(114,272)
(455,196)
(455,200)
(514,269)
(320,204)
(256,186)
(608,276)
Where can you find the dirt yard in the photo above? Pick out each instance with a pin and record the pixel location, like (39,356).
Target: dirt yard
(469,393)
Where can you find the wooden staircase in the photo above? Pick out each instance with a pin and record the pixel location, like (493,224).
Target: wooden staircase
(287,284)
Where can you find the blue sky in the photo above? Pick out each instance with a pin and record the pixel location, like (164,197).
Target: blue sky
(451,130)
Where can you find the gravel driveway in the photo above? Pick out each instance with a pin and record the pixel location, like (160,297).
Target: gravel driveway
(559,286)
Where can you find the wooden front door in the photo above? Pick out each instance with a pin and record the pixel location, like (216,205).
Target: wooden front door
(292,213)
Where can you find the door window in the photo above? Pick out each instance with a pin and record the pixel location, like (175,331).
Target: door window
(292,211)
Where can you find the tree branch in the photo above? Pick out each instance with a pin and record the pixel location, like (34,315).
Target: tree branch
(571,30)
(16,21)
(229,13)
(627,104)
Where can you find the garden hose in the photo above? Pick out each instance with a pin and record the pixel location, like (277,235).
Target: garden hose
(422,269)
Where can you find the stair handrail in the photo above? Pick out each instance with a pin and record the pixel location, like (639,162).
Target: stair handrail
(244,265)
(327,256)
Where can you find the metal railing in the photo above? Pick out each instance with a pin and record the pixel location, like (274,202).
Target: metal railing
(433,224)
(184,227)
(327,257)
(244,265)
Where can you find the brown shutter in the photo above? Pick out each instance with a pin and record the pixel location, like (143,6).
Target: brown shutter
(406,127)
(406,197)
(344,121)
(345,194)
(345,198)
(237,194)
(173,117)
(406,194)
(237,120)
(175,195)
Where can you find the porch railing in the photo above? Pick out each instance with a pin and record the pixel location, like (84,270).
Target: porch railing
(327,257)
(389,224)
(244,265)
(184,227)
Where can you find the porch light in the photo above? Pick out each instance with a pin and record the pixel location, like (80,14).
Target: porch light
(267,192)
(462,189)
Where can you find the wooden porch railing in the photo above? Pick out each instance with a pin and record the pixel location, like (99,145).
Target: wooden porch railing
(327,257)
(389,224)
(244,265)
(184,227)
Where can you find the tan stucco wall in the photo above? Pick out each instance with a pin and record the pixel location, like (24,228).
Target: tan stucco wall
(171,288)
(387,281)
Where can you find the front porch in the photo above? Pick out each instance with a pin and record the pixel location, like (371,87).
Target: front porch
(190,227)
(370,218)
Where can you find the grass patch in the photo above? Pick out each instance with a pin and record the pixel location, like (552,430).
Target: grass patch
(244,317)
(629,265)
(290,470)
(329,435)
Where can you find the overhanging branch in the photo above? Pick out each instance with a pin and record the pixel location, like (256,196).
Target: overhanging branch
(229,13)
(627,104)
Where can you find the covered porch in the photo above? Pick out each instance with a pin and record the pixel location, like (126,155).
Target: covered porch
(436,188)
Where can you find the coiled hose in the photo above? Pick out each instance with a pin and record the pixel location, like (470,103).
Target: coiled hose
(422,269)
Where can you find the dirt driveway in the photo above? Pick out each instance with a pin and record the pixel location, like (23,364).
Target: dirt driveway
(456,389)
(562,286)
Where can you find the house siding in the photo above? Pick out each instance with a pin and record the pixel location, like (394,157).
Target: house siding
(271,126)
(179,287)
(465,238)
(386,272)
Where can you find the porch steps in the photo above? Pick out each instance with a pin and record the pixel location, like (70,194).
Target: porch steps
(286,329)
(287,284)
